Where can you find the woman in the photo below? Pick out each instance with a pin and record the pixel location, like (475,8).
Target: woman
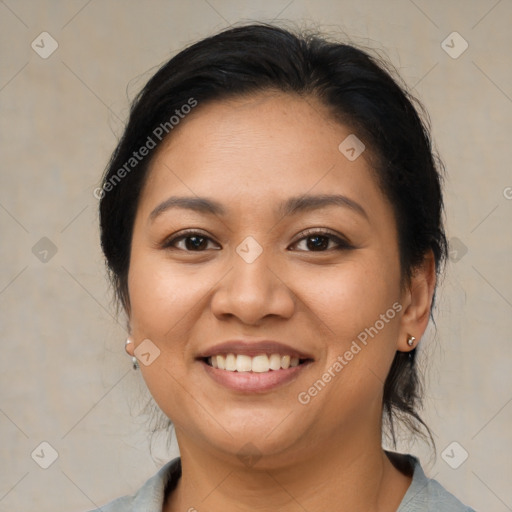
(272,221)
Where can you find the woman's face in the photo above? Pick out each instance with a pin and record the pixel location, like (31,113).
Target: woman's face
(291,251)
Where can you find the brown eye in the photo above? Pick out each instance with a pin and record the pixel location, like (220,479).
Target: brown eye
(191,242)
(316,242)
(321,241)
(195,242)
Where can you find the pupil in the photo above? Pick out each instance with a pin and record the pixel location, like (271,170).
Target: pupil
(195,242)
(320,242)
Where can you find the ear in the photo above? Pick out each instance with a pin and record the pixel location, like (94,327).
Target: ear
(417,302)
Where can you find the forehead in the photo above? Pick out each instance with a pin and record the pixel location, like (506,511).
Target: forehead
(261,148)
(267,119)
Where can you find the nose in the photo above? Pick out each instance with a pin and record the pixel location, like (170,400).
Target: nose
(252,291)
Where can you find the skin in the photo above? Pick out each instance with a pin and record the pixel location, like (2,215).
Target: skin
(250,154)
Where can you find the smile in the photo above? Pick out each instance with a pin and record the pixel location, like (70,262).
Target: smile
(253,374)
(261,363)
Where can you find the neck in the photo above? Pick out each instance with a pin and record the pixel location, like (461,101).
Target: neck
(356,476)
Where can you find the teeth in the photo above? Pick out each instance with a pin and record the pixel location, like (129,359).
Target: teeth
(275,362)
(243,363)
(230,362)
(258,364)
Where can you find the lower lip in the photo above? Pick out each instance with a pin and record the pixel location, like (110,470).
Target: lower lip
(253,382)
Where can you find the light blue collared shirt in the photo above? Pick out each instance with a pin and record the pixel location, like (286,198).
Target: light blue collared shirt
(424,494)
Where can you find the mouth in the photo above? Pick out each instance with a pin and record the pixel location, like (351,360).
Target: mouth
(253,366)
(261,363)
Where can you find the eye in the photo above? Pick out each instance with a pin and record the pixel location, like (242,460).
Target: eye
(316,240)
(191,241)
(320,240)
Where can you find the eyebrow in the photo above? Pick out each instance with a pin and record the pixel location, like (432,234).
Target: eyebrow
(291,206)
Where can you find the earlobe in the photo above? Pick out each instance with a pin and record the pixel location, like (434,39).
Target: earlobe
(130,350)
(128,346)
(419,296)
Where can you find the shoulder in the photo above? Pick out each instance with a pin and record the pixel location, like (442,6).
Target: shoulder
(428,495)
(150,497)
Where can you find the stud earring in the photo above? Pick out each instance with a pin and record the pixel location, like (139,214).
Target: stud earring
(411,341)
(135,362)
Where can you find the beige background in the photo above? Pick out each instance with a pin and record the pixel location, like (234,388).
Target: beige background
(65,378)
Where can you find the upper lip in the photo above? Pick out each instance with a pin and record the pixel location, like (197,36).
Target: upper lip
(253,348)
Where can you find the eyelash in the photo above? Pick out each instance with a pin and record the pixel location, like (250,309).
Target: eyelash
(308,233)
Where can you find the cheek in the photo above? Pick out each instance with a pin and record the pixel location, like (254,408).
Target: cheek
(357,310)
(350,296)
(163,305)
(160,296)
